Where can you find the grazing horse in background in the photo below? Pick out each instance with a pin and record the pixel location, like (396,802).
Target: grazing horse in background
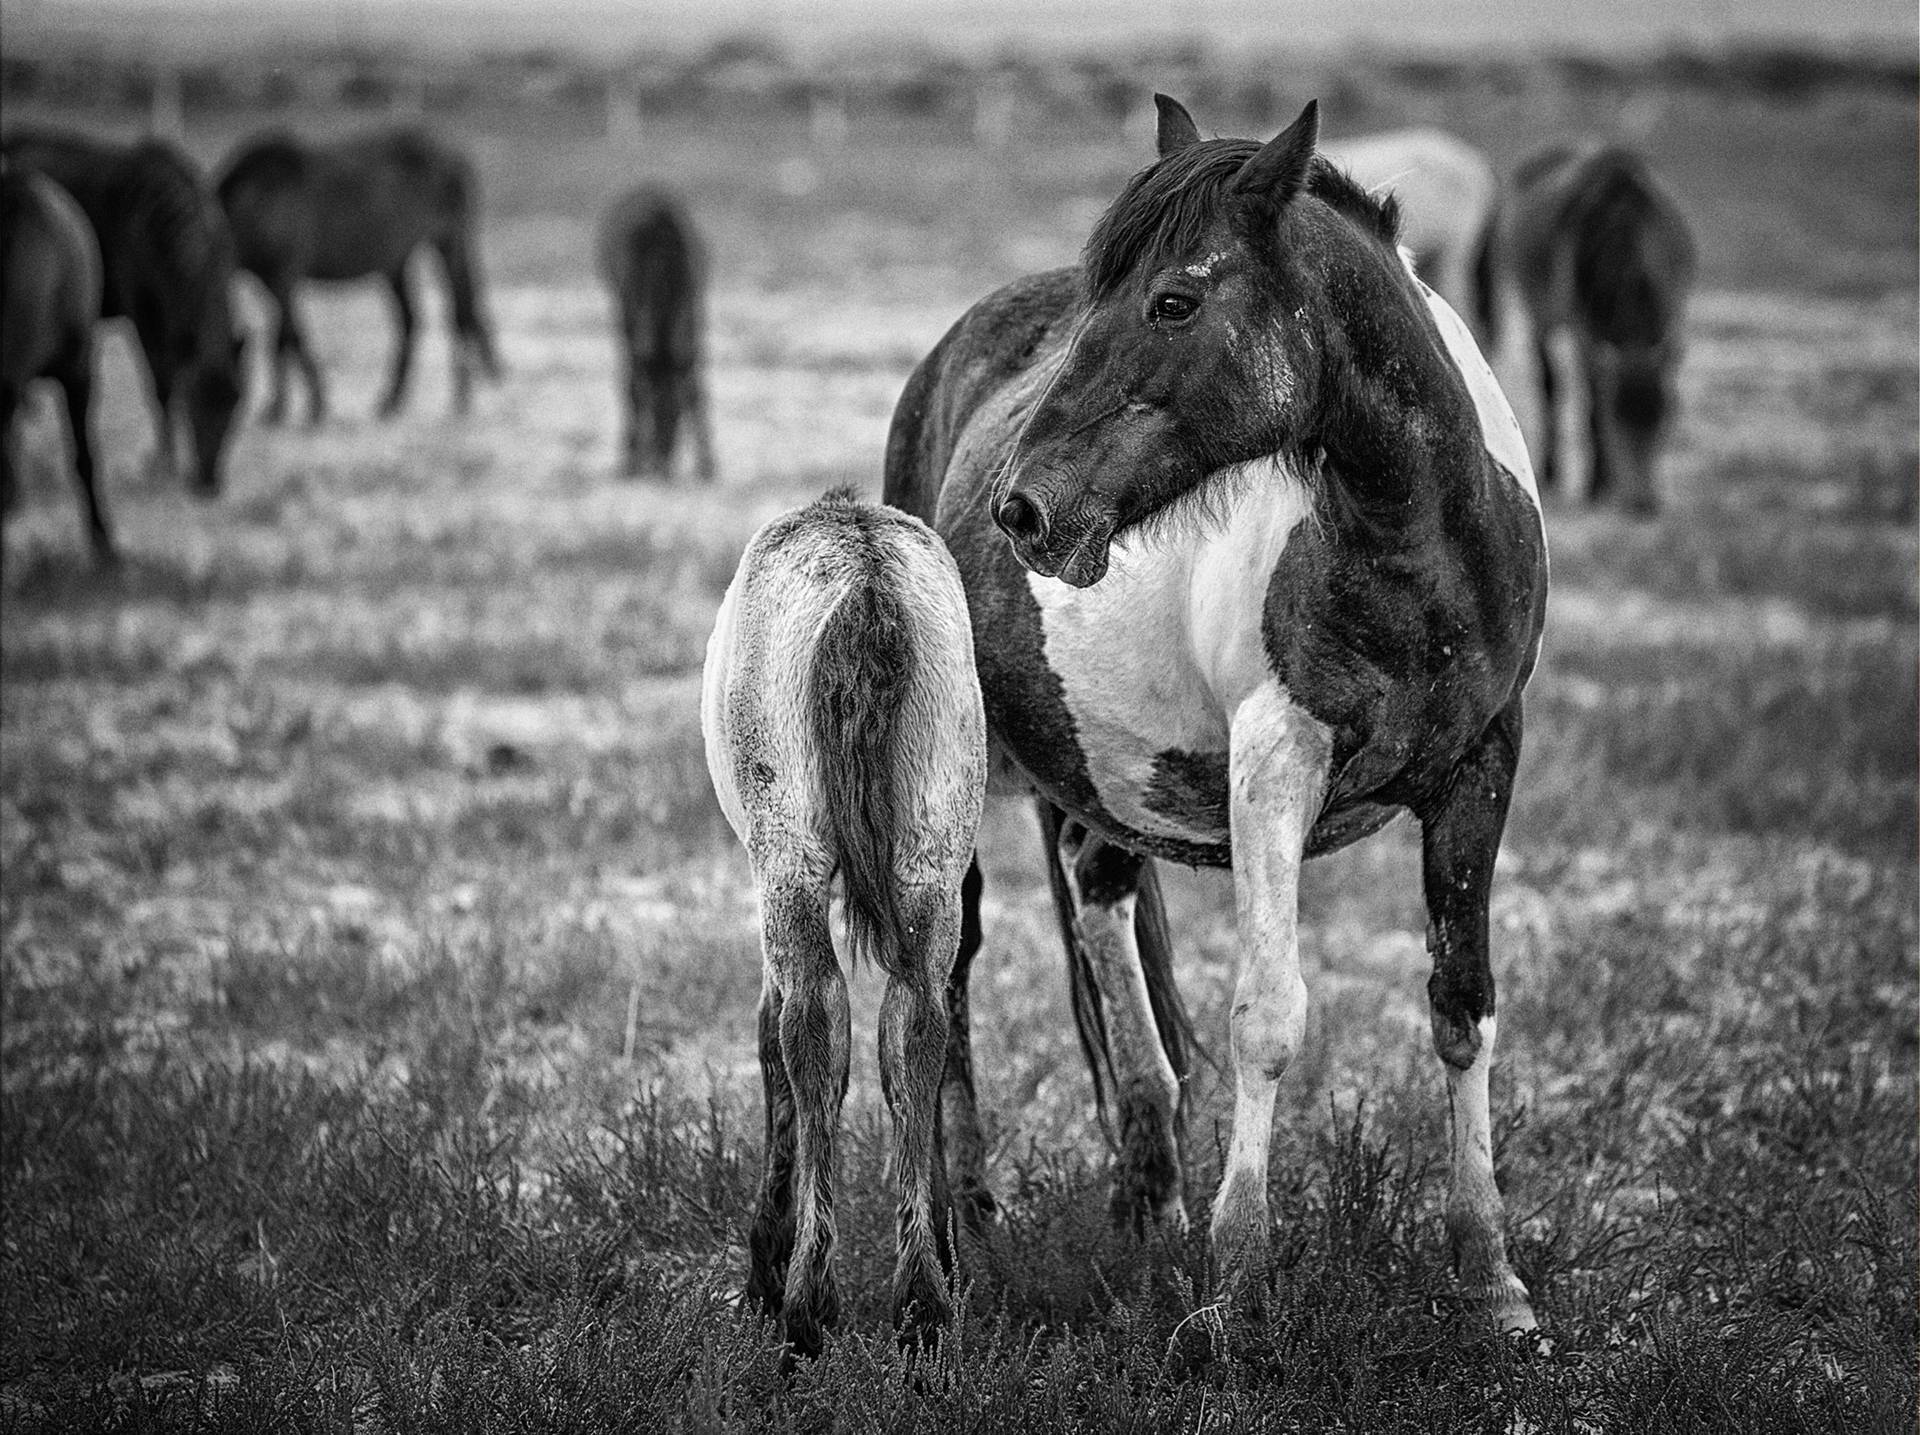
(1448,194)
(49,299)
(1599,248)
(655,266)
(357,209)
(1254,562)
(167,265)
(844,734)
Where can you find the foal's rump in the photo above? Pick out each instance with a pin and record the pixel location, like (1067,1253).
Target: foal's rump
(652,260)
(842,715)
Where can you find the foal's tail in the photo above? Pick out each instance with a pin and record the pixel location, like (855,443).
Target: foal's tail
(861,666)
(457,256)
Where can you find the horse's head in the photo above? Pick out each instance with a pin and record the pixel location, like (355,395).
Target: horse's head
(214,390)
(1201,345)
(1637,381)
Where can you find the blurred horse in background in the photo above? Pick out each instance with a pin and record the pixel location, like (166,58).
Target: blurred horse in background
(167,264)
(1448,193)
(655,265)
(1598,248)
(358,208)
(844,734)
(49,300)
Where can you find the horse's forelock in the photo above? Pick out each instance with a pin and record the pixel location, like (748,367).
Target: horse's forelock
(1166,208)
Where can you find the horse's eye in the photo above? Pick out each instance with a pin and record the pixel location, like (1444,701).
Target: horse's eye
(1174,308)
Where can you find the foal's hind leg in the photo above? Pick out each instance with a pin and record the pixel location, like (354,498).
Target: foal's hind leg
(812,1029)
(1097,890)
(913,1049)
(403,318)
(1459,841)
(770,1245)
(965,1147)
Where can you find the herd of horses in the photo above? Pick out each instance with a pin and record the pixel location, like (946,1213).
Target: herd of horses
(160,245)
(1221,547)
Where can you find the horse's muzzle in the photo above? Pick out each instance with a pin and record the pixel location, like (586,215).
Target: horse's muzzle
(1079,560)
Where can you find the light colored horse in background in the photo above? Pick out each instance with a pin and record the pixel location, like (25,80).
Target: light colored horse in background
(1448,193)
(845,735)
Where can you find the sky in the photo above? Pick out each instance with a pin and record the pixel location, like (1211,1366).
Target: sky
(804,25)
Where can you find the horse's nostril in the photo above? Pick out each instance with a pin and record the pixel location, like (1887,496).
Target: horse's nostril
(1019,518)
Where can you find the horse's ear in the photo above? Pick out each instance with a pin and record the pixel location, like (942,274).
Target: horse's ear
(1275,175)
(1177,129)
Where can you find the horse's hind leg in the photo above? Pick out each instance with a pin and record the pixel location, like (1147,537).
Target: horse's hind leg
(77,385)
(964,1145)
(403,318)
(913,1052)
(812,1030)
(1459,841)
(1098,891)
(694,405)
(1600,422)
(1549,415)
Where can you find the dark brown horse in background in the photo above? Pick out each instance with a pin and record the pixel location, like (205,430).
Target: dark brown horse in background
(1598,248)
(358,208)
(167,264)
(49,296)
(655,265)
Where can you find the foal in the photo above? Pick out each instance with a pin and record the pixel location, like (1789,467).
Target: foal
(844,734)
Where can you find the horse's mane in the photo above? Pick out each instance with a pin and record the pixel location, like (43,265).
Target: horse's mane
(1166,208)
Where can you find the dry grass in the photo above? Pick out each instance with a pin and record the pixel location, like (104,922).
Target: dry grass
(379,973)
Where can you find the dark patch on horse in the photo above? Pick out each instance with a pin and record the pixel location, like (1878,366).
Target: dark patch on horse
(1190,788)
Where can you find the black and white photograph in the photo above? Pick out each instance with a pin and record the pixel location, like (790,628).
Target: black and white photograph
(858,718)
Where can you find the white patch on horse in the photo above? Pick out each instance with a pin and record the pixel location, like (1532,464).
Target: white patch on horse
(1162,651)
(1498,428)
(1205,267)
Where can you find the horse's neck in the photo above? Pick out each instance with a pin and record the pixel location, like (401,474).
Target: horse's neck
(1401,417)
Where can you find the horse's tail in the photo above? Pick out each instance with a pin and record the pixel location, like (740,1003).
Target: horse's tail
(460,205)
(861,666)
(1154,940)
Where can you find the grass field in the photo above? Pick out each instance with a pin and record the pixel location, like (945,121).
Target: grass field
(379,973)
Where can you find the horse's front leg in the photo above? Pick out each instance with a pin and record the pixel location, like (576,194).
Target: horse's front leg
(1460,838)
(1277,775)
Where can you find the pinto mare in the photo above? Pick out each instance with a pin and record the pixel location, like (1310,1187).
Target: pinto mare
(844,735)
(49,297)
(1254,563)
(655,267)
(167,265)
(1599,249)
(358,208)
(1448,194)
